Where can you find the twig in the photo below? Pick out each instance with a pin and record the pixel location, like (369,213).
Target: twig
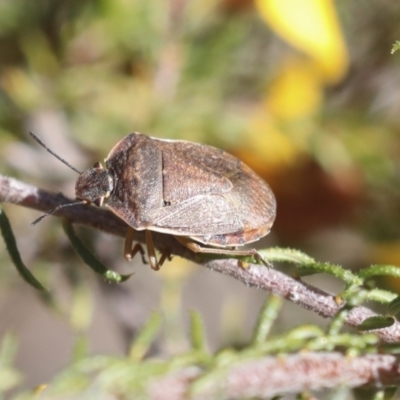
(268,377)
(311,298)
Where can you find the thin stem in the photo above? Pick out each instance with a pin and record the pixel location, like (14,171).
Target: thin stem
(269,279)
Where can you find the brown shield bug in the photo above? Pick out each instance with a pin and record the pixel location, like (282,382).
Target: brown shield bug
(208,199)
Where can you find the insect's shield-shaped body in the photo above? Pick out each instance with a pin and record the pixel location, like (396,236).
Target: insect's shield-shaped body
(195,192)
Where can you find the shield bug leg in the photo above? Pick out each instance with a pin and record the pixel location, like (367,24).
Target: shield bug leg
(166,255)
(156,265)
(130,252)
(151,252)
(197,248)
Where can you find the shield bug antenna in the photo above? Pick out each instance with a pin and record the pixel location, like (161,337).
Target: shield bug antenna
(36,221)
(53,154)
(50,212)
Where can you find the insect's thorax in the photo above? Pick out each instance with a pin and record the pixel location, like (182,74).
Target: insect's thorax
(95,185)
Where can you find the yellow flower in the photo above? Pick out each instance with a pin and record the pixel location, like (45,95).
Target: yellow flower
(296,92)
(311,26)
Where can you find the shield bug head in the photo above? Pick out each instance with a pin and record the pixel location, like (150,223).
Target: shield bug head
(94,185)
(209,200)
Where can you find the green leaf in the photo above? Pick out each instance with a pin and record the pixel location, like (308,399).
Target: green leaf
(286,255)
(266,318)
(355,296)
(377,270)
(11,246)
(376,322)
(306,265)
(380,295)
(8,350)
(90,259)
(389,392)
(197,332)
(305,332)
(394,306)
(145,338)
(390,348)
(350,341)
(395,47)
(334,270)
(9,377)
(337,322)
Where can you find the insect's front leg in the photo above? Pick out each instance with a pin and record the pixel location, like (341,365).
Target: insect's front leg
(130,252)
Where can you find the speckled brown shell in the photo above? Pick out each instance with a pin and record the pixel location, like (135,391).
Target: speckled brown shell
(188,189)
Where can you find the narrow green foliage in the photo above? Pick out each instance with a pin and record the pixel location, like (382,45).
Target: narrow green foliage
(133,375)
(376,322)
(8,350)
(305,332)
(390,348)
(145,338)
(266,318)
(306,395)
(226,357)
(197,337)
(335,270)
(337,322)
(350,341)
(294,340)
(191,358)
(377,270)
(384,394)
(81,346)
(12,249)
(207,383)
(307,265)
(395,47)
(216,374)
(101,376)
(90,259)
(8,376)
(286,255)
(394,306)
(389,392)
(340,393)
(81,312)
(354,296)
(127,377)
(380,296)
(379,395)
(311,338)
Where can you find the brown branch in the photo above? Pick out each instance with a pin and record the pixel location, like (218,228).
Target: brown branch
(272,376)
(16,192)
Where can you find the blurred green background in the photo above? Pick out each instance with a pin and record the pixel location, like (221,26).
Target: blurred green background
(307,93)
